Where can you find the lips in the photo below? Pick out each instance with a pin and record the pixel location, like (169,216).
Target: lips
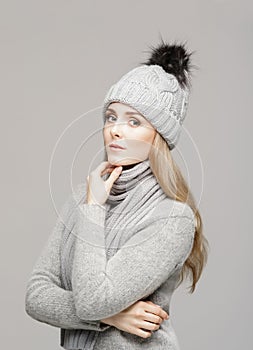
(114,145)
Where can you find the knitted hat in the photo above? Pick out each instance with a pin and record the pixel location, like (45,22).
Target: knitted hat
(158,89)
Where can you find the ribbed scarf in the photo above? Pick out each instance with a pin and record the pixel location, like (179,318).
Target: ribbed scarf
(132,197)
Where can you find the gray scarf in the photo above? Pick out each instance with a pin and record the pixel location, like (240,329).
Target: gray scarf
(132,197)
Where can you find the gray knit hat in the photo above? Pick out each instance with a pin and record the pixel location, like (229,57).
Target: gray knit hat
(158,89)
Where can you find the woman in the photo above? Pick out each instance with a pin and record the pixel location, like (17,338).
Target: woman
(130,234)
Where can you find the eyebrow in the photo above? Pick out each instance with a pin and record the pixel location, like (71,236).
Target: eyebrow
(128,113)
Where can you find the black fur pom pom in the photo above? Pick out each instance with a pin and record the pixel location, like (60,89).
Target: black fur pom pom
(174,59)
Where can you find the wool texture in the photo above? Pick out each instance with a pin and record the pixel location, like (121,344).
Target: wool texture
(100,259)
(157,95)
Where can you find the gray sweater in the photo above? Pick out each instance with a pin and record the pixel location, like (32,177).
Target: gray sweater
(146,268)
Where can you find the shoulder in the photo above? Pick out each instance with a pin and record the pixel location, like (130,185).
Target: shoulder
(180,219)
(173,208)
(178,216)
(172,223)
(172,216)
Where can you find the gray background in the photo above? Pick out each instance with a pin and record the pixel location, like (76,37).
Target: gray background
(59,58)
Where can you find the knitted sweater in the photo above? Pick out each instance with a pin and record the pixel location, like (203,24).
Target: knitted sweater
(101,288)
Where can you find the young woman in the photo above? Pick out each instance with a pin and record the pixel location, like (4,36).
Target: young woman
(130,233)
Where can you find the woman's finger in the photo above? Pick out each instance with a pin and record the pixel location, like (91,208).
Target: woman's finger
(98,189)
(108,170)
(113,177)
(155,309)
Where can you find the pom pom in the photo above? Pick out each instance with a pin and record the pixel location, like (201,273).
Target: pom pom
(174,59)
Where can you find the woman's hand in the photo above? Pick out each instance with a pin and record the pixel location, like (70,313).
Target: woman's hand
(142,314)
(97,189)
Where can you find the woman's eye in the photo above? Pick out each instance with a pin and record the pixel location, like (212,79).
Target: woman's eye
(135,121)
(107,117)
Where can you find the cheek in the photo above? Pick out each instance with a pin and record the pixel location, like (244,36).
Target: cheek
(146,135)
(140,141)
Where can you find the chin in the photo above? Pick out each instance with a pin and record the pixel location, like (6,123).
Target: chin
(118,162)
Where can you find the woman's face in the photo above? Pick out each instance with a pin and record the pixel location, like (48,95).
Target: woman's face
(126,127)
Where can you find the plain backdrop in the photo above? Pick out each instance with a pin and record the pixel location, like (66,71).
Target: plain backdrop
(58,60)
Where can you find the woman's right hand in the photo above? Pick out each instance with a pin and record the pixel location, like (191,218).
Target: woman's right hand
(142,314)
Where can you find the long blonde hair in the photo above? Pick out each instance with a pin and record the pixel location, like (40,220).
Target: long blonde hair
(174,186)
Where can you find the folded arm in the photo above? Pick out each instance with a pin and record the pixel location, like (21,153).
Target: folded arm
(135,271)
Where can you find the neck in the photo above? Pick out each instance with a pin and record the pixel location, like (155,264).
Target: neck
(129,166)
(128,179)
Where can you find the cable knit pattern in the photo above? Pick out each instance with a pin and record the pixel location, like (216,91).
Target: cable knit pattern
(157,95)
(100,259)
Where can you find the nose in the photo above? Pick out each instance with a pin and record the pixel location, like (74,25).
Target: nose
(116,130)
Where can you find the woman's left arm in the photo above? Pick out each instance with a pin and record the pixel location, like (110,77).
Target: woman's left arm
(101,287)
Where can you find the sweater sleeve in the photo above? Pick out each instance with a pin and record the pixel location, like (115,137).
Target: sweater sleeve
(136,270)
(45,300)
